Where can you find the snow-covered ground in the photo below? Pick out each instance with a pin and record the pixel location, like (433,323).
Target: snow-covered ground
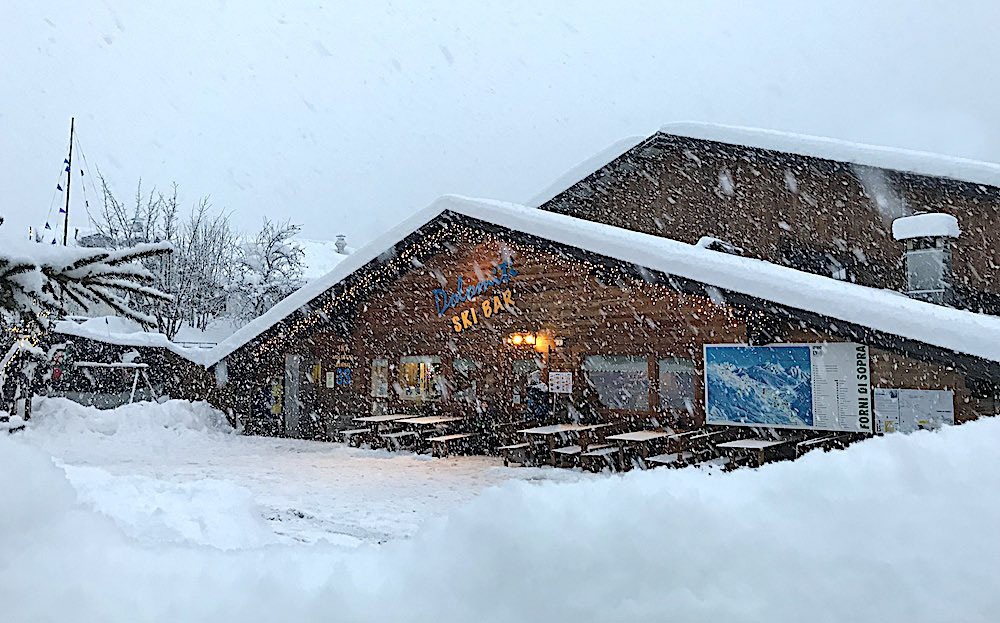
(160,513)
(178,473)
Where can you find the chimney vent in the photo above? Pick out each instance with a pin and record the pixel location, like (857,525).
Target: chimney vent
(341,244)
(927,238)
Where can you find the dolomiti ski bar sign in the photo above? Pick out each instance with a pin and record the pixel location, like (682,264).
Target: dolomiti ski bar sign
(814,386)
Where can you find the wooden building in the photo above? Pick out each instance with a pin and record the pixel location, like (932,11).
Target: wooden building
(463,308)
(819,205)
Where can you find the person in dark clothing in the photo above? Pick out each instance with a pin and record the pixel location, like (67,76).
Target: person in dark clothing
(536,399)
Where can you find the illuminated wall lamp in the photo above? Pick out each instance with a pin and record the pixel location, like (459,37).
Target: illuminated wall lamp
(521,339)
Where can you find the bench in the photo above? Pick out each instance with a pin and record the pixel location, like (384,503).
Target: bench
(827,442)
(757,451)
(439,445)
(519,453)
(570,453)
(398,440)
(671,459)
(347,436)
(597,458)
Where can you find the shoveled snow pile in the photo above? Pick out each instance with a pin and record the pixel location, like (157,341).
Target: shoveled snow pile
(898,528)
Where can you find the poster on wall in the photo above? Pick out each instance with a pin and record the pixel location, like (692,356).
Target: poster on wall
(907,410)
(561,382)
(812,386)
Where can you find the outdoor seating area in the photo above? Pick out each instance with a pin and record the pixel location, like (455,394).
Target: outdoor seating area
(606,446)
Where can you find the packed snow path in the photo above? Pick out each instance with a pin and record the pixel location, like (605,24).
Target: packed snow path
(176,472)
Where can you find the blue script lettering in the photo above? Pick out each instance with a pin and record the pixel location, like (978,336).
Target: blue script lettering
(444,300)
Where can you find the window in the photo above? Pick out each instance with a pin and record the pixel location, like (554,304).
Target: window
(380,378)
(622,382)
(676,378)
(927,267)
(418,378)
(465,379)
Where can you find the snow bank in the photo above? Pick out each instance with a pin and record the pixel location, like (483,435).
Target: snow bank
(898,528)
(179,418)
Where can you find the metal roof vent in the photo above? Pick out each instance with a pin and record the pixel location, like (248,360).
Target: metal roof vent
(928,239)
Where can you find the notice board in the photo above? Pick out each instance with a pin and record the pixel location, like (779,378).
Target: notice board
(907,410)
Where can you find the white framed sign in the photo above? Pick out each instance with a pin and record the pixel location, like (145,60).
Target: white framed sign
(821,386)
(561,382)
(907,410)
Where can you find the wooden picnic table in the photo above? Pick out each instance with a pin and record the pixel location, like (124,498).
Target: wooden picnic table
(430,420)
(640,440)
(552,432)
(376,423)
(639,436)
(379,419)
(755,446)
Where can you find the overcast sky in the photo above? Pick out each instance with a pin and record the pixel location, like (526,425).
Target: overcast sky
(346,117)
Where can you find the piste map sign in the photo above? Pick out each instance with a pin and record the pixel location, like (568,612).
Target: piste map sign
(813,386)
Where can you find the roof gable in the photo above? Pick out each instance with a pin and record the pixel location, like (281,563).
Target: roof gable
(882,310)
(920,163)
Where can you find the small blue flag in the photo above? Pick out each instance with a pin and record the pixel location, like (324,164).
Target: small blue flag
(67,169)
(53,241)
(47,226)
(65,161)
(62,210)
(58,187)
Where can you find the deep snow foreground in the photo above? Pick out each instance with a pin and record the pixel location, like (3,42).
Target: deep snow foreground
(177,473)
(898,528)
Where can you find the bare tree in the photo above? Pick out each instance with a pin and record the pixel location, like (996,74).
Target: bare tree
(270,266)
(200,270)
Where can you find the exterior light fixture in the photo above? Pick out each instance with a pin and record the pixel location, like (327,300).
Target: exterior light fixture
(516,339)
(529,338)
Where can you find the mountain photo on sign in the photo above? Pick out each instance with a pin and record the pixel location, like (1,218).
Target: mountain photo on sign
(759,385)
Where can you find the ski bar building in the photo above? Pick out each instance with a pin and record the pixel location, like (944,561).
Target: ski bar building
(701,276)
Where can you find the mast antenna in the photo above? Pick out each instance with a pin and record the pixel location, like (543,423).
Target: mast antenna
(69,179)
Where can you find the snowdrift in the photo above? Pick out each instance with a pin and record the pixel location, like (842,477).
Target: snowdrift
(141,420)
(897,528)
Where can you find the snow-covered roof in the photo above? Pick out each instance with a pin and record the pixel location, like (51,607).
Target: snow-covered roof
(909,161)
(883,310)
(319,256)
(122,332)
(918,162)
(931,224)
(585,168)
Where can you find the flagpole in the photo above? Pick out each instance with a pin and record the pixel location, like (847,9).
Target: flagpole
(69,180)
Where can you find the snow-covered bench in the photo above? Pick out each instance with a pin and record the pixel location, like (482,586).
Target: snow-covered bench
(671,459)
(827,442)
(354,436)
(400,439)
(440,446)
(596,458)
(571,453)
(520,453)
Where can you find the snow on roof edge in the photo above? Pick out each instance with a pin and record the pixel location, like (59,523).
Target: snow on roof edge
(585,168)
(316,287)
(138,339)
(889,158)
(883,310)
